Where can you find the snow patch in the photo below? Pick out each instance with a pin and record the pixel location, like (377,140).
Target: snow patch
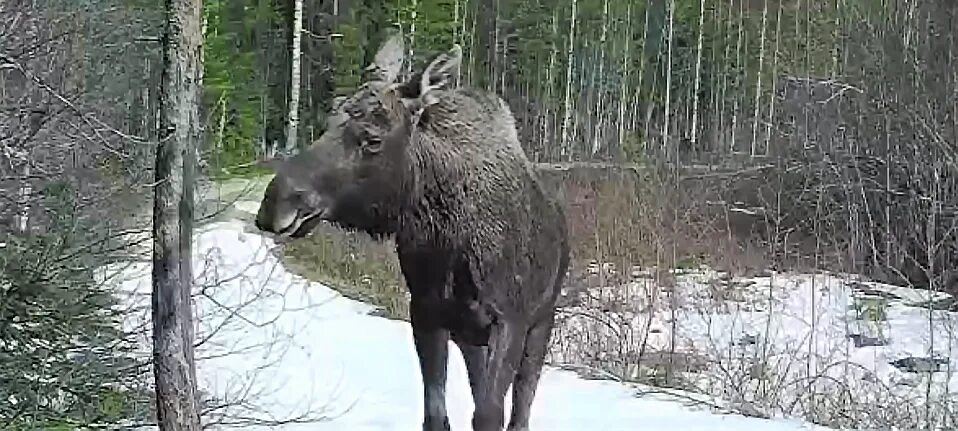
(780,340)
(275,346)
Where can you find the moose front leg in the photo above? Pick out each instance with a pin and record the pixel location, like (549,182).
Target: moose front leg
(432,347)
(426,273)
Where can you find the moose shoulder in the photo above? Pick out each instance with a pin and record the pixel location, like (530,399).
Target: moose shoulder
(483,248)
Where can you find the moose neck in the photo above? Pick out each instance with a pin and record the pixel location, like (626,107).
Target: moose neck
(446,191)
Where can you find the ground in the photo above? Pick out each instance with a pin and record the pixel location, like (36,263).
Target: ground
(275,348)
(832,347)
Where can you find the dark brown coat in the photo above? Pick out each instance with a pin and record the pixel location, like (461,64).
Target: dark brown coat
(482,246)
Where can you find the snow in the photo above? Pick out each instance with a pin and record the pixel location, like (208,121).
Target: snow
(788,333)
(276,346)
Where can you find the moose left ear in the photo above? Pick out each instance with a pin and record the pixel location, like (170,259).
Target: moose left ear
(388,60)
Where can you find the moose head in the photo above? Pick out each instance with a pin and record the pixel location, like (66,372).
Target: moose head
(355,174)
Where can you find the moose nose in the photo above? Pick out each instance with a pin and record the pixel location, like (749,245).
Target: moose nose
(260,223)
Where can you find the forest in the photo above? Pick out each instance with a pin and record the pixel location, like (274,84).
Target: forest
(750,138)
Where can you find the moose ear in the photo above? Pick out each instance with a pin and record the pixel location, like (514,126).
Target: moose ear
(438,74)
(388,61)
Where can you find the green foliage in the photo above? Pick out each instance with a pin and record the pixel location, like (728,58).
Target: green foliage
(633,148)
(435,26)
(234,79)
(740,47)
(63,357)
(349,56)
(871,309)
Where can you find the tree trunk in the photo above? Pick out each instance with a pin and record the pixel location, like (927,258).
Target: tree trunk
(174,370)
(412,37)
(295,73)
(276,62)
(566,144)
(23,198)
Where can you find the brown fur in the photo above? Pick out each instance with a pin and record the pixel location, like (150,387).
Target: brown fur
(482,246)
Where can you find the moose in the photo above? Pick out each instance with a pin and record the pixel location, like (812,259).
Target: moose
(483,247)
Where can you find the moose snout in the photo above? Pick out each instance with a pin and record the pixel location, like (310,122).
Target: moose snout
(259,224)
(263,220)
(272,221)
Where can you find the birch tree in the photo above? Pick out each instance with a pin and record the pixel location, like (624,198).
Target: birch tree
(181,84)
(566,145)
(295,74)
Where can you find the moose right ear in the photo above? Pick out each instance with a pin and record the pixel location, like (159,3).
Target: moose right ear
(418,92)
(438,74)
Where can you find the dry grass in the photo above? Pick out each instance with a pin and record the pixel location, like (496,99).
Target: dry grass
(354,264)
(624,305)
(628,332)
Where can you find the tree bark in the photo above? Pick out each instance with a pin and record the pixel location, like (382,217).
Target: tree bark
(174,370)
(295,74)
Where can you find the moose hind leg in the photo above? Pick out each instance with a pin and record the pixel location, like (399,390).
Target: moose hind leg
(432,347)
(527,376)
(501,360)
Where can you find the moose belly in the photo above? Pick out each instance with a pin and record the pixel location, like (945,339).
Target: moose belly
(468,322)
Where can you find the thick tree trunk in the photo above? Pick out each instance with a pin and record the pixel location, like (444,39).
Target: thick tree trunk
(172,217)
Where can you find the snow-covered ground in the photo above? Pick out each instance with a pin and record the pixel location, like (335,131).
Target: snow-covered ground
(829,346)
(276,347)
